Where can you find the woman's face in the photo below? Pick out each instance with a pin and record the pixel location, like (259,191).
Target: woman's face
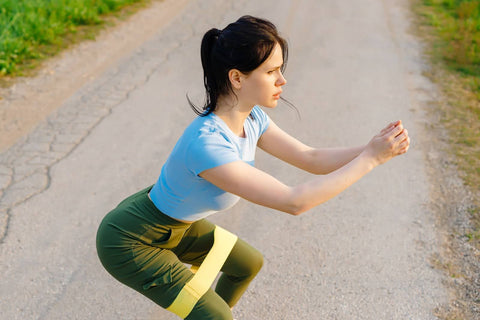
(263,85)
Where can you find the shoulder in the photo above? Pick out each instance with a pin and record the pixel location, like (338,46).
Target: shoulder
(209,146)
(259,115)
(259,120)
(203,128)
(205,134)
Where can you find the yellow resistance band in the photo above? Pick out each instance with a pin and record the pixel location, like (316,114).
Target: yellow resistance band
(205,274)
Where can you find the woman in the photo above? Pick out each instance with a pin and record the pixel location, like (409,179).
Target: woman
(146,240)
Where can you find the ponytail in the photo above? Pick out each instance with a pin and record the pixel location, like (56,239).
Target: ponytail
(208,42)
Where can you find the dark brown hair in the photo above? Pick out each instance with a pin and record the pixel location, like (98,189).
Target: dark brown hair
(243,45)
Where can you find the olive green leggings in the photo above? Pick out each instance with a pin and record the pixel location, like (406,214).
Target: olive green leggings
(146,250)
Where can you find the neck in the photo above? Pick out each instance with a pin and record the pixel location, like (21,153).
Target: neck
(233,115)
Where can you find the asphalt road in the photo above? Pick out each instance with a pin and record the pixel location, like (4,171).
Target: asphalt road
(353,68)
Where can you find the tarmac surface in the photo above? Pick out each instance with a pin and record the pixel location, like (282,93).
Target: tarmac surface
(353,68)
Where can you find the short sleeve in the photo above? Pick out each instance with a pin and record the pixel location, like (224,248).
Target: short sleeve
(208,151)
(262,118)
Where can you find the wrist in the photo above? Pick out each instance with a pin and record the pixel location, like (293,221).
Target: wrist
(370,161)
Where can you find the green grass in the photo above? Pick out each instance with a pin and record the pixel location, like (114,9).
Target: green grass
(31,30)
(457,23)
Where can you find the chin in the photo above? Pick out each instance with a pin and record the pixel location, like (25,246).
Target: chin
(270,105)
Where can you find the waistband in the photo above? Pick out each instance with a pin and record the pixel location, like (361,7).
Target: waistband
(142,199)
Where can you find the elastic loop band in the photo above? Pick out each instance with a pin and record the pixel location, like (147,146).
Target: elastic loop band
(205,274)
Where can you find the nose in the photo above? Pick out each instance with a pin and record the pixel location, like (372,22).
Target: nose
(281,80)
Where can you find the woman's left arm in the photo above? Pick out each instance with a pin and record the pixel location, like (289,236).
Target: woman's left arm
(280,144)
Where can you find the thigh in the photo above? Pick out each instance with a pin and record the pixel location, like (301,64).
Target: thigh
(156,273)
(160,276)
(135,250)
(196,243)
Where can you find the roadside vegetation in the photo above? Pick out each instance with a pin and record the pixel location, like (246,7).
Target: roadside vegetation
(452,31)
(32,30)
(455,50)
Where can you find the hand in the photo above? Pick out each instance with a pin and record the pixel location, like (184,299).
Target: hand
(393,140)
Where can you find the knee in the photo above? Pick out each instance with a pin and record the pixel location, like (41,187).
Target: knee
(255,263)
(220,313)
(245,262)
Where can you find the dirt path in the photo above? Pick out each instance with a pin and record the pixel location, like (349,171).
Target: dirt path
(30,100)
(108,113)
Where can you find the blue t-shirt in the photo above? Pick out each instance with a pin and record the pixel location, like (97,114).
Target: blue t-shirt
(206,143)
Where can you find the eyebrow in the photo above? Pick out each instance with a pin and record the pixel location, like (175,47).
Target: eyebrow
(276,67)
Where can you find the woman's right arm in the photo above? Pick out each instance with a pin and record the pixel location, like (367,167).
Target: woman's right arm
(261,188)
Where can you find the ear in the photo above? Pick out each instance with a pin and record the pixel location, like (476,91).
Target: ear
(236,78)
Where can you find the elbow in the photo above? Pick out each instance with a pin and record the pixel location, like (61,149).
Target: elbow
(295,211)
(296,208)
(300,201)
